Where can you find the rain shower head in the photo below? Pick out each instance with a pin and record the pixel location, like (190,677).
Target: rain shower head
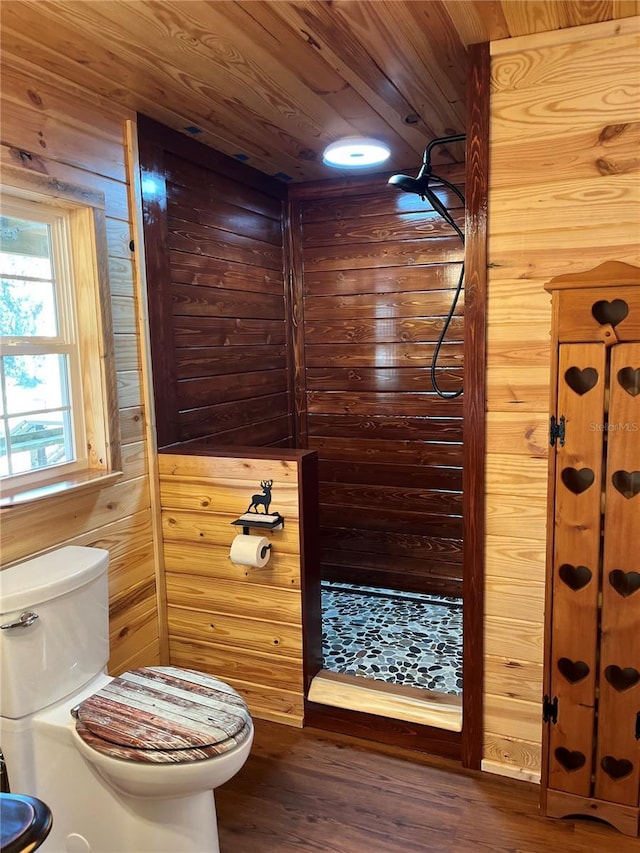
(407,184)
(420,184)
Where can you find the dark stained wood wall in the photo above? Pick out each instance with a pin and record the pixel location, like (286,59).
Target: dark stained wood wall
(374,274)
(216,273)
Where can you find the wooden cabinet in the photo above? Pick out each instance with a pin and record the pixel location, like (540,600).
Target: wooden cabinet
(591,743)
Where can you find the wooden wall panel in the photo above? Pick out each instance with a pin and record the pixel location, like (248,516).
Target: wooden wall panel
(564,197)
(567,150)
(69,136)
(375,273)
(511,757)
(196,558)
(242,624)
(216,281)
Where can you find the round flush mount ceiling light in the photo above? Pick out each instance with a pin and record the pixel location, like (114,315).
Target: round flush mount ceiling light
(355,152)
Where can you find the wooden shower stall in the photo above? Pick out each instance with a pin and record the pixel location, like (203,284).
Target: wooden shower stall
(306,316)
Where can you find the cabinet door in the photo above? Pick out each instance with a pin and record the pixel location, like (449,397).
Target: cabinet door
(617,770)
(577,543)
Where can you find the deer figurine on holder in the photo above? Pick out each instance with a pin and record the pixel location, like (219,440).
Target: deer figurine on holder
(262,500)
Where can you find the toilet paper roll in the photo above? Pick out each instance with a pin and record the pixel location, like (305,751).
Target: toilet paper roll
(250,550)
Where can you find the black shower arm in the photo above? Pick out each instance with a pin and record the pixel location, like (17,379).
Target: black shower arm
(442,140)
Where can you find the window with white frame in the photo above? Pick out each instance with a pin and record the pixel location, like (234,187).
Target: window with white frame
(42,423)
(57,396)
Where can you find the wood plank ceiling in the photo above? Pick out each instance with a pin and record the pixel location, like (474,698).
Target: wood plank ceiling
(273,83)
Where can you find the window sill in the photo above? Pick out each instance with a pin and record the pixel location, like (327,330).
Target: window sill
(82,481)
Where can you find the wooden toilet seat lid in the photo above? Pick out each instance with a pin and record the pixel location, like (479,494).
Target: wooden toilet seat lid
(164,715)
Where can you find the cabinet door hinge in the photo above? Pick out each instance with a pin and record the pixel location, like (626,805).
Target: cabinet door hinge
(556,430)
(550,709)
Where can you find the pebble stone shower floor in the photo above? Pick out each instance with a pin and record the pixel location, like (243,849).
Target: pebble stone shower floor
(400,638)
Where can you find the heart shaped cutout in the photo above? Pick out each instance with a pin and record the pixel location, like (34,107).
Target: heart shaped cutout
(610,312)
(624,583)
(622,679)
(569,760)
(581,381)
(626,482)
(617,768)
(629,379)
(575,577)
(573,670)
(578,480)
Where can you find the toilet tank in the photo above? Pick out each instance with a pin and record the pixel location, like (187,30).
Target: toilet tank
(68,644)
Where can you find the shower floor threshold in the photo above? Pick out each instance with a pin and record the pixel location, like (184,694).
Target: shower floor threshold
(411,704)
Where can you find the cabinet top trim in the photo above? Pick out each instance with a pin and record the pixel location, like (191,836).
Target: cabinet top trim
(608,274)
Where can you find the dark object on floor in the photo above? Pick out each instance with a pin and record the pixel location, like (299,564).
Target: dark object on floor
(25,822)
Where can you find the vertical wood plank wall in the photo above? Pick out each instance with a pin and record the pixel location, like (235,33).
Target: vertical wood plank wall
(242,624)
(57,130)
(215,279)
(564,195)
(375,271)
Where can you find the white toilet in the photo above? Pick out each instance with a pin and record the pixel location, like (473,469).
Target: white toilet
(127,764)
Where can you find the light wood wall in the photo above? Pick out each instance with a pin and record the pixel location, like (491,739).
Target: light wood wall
(55,133)
(564,196)
(242,624)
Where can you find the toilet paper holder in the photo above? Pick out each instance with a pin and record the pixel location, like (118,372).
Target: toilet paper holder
(273,521)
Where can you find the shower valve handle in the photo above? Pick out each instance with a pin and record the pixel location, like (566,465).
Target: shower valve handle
(28,617)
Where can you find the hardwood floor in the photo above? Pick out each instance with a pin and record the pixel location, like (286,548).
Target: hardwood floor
(306,790)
